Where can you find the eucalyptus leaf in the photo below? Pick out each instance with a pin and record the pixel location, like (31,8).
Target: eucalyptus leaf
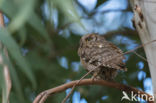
(22,16)
(36,23)
(14,77)
(22,35)
(67,7)
(10,8)
(2,85)
(14,51)
(1,2)
(16,83)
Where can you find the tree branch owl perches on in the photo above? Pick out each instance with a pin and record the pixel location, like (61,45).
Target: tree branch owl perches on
(96,52)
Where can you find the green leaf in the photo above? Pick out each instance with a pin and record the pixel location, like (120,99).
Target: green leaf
(35,22)
(7,8)
(22,16)
(14,78)
(2,85)
(16,83)
(10,8)
(4,91)
(22,35)
(67,7)
(1,2)
(14,51)
(1,76)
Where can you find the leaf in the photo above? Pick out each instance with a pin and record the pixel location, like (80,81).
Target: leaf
(22,35)
(14,78)
(22,16)
(69,10)
(16,83)
(35,22)
(3,86)
(14,51)
(1,76)
(10,8)
(99,2)
(1,2)
(7,8)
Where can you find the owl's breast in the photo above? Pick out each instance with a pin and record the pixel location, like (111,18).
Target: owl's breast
(87,66)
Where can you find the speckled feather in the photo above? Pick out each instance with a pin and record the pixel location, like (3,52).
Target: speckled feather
(95,51)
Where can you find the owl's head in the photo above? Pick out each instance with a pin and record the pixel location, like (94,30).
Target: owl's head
(91,38)
(87,39)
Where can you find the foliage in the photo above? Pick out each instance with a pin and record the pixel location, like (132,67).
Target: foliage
(42,47)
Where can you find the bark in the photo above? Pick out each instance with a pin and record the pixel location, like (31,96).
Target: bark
(42,97)
(145,22)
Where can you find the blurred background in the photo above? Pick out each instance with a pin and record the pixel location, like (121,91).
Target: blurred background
(42,39)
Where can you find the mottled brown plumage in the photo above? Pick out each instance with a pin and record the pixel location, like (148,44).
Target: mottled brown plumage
(96,52)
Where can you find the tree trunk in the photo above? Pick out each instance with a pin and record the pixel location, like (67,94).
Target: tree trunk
(145,22)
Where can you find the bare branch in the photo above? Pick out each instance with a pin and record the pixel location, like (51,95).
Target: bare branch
(140,56)
(45,94)
(64,100)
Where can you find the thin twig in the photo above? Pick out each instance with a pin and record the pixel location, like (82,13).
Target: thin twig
(1,20)
(140,56)
(45,94)
(64,100)
(6,72)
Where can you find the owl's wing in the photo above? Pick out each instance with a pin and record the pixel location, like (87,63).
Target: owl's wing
(117,57)
(105,54)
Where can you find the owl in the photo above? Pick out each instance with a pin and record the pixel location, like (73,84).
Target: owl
(101,55)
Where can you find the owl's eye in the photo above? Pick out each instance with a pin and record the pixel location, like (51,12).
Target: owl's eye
(89,38)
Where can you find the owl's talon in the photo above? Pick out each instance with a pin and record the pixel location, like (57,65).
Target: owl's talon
(95,75)
(93,78)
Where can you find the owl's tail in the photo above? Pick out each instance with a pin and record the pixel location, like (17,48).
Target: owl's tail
(125,69)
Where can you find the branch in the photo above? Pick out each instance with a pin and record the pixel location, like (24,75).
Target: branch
(41,98)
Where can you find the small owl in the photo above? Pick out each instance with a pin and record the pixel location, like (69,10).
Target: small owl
(96,52)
